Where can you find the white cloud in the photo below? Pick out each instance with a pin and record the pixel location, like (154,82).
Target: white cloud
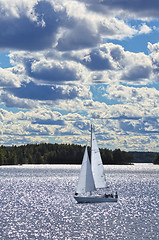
(154,55)
(144,29)
(12,101)
(8,78)
(144,96)
(113,28)
(115,124)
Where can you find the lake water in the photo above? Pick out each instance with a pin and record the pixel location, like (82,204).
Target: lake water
(36,202)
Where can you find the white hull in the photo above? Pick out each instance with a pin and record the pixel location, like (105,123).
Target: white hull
(94,199)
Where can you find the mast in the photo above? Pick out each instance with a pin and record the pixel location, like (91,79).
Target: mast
(91,140)
(91,151)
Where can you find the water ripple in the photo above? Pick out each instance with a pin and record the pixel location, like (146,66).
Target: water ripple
(37,202)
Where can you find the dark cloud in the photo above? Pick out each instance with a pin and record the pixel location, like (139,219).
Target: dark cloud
(142,8)
(137,73)
(55,74)
(81,35)
(97,62)
(42,92)
(135,5)
(26,34)
(97,59)
(140,126)
(48,122)
(50,25)
(124,117)
(52,73)
(41,31)
(116,54)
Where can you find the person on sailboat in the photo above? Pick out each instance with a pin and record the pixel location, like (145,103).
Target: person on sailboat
(116,195)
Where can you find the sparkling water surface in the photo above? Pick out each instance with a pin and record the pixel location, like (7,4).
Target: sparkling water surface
(36,202)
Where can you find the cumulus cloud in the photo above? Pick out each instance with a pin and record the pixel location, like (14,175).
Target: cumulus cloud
(40,25)
(137,73)
(28,26)
(58,54)
(80,36)
(144,29)
(135,95)
(110,62)
(132,8)
(37,126)
(154,55)
(115,125)
(40,92)
(96,59)
(9,78)
(35,76)
(92,30)
(138,67)
(55,72)
(11,101)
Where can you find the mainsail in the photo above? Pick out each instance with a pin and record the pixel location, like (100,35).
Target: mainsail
(96,163)
(85,181)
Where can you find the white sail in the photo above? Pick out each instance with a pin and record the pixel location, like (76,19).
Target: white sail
(85,181)
(96,163)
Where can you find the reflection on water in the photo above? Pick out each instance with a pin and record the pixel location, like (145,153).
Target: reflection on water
(37,202)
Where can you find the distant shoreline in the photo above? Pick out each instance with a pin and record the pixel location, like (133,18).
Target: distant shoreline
(47,153)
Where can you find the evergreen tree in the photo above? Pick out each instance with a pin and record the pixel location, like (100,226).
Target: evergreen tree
(117,156)
(156,159)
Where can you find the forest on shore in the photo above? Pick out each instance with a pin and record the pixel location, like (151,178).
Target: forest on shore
(47,153)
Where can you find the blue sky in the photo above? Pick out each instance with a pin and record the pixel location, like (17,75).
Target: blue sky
(67,64)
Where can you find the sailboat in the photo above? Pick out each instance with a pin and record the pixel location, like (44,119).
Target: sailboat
(92,177)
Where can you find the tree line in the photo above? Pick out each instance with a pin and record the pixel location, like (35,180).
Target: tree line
(156,159)
(57,154)
(143,157)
